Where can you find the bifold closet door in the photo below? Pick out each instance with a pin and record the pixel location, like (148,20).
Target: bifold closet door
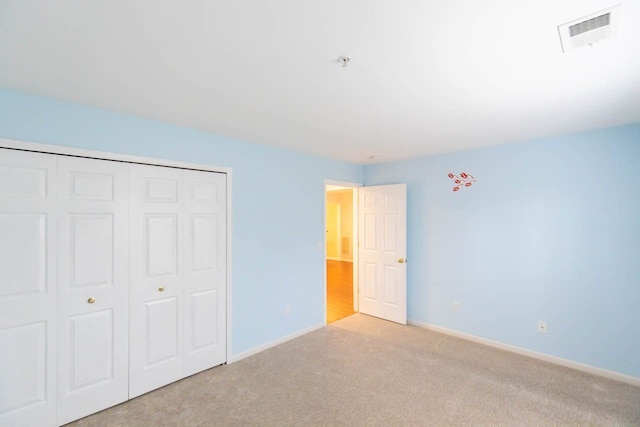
(93,285)
(178,275)
(205,270)
(28,288)
(112,282)
(156,334)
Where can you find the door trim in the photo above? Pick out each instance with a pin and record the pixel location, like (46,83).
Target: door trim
(104,155)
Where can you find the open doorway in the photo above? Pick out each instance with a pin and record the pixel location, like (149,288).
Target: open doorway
(341,251)
(377,217)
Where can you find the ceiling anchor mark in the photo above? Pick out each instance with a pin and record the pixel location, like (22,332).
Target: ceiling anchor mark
(344,60)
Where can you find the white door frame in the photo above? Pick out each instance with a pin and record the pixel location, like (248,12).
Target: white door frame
(103,155)
(354,186)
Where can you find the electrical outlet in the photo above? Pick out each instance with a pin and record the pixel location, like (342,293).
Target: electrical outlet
(287,310)
(542,327)
(456,306)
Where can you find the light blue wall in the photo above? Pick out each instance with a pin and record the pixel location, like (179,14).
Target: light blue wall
(551,231)
(278,203)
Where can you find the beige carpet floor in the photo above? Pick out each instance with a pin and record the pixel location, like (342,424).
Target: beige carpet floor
(365,371)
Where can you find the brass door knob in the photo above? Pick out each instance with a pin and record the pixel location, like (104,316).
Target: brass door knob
(401,260)
(91,300)
(161,288)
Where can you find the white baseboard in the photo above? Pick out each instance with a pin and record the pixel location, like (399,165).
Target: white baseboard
(534,354)
(274,343)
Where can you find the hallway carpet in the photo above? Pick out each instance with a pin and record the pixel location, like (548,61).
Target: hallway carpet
(365,371)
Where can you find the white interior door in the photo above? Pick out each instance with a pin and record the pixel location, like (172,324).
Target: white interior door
(28,288)
(93,285)
(382,272)
(156,334)
(205,270)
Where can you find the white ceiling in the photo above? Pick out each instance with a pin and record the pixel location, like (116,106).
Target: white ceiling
(426,77)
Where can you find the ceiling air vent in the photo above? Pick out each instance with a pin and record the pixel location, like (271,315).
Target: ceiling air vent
(586,31)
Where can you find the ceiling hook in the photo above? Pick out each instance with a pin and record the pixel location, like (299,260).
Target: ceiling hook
(344,60)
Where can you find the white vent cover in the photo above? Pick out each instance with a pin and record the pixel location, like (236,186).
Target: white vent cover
(586,31)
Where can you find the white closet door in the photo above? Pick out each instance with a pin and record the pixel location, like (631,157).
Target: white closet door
(93,224)
(205,270)
(156,278)
(28,287)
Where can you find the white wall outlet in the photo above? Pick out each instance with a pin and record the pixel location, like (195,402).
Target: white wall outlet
(456,306)
(542,327)
(287,309)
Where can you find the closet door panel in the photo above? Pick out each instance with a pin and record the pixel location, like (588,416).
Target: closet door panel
(205,270)
(162,330)
(93,219)
(28,288)
(156,278)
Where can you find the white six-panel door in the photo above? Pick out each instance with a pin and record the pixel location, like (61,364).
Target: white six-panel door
(382,252)
(178,275)
(28,288)
(93,251)
(205,270)
(157,282)
(113,282)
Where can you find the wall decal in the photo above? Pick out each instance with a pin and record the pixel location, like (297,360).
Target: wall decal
(464,179)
